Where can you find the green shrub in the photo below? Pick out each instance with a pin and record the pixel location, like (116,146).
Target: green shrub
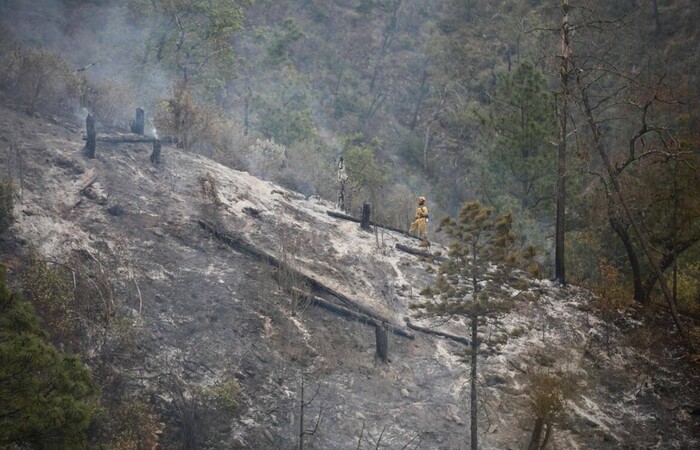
(7,198)
(46,396)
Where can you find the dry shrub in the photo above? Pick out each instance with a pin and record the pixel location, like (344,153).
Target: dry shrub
(401,207)
(265,158)
(112,102)
(548,399)
(613,290)
(47,84)
(134,425)
(309,168)
(182,117)
(225,142)
(289,280)
(51,289)
(210,189)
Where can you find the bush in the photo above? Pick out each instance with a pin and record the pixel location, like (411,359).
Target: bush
(7,198)
(112,102)
(46,83)
(182,117)
(50,288)
(46,397)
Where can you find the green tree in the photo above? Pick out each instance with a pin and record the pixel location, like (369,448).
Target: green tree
(472,284)
(365,172)
(521,126)
(44,394)
(192,37)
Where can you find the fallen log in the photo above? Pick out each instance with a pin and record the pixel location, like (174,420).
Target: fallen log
(338,215)
(124,138)
(416,252)
(315,285)
(353,315)
(451,337)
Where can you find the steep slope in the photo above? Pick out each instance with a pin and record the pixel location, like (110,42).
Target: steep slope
(207,310)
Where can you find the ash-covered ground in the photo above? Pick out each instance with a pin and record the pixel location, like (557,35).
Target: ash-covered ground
(207,310)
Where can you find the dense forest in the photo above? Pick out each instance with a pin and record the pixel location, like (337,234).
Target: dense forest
(581,118)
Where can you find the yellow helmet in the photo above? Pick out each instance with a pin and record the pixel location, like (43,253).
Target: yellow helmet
(421,199)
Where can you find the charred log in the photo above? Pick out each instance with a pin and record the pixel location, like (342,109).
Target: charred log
(91,137)
(354,315)
(417,252)
(452,337)
(315,285)
(155,156)
(338,215)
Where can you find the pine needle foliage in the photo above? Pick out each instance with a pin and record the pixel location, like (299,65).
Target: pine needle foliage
(482,264)
(474,282)
(45,395)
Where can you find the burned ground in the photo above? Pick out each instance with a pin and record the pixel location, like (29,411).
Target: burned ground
(207,311)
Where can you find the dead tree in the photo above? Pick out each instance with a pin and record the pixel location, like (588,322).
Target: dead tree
(137,126)
(303,404)
(155,156)
(91,136)
(364,223)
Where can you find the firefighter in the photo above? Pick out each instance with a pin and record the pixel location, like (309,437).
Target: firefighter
(420,222)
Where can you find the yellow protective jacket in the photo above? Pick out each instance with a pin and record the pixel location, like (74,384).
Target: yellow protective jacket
(421,212)
(419,223)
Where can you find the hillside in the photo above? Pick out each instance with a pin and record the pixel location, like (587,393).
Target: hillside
(203,311)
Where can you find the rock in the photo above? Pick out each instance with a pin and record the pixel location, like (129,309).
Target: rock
(360,416)
(404,393)
(268,435)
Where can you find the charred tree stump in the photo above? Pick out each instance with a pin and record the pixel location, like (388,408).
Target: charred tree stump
(381,334)
(155,156)
(137,126)
(91,136)
(364,222)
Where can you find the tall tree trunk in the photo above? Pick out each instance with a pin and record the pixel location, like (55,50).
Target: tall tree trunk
(473,395)
(639,291)
(560,227)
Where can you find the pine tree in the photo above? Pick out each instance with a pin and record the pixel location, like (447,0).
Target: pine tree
(473,284)
(44,394)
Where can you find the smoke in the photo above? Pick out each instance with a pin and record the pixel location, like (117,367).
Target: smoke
(100,40)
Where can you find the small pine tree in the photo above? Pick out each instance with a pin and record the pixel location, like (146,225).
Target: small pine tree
(44,394)
(473,283)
